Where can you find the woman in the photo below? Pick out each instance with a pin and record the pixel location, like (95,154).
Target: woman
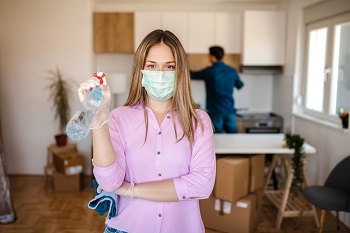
(157,152)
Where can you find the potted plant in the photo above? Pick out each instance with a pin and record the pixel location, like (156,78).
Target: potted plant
(294,141)
(344,117)
(60,92)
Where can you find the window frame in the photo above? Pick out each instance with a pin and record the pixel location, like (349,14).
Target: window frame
(330,23)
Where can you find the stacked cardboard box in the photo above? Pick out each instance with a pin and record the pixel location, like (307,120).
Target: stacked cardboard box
(211,231)
(69,172)
(235,203)
(65,183)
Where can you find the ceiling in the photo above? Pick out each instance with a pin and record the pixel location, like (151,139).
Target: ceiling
(191,1)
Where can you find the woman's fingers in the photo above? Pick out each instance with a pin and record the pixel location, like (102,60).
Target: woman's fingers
(86,87)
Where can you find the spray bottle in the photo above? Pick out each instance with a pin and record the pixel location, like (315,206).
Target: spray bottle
(79,125)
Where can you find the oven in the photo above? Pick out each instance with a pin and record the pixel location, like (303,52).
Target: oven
(259,122)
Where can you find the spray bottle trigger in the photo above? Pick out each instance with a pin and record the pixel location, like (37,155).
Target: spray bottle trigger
(100,76)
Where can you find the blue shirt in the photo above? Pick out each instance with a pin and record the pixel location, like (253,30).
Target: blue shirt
(220,81)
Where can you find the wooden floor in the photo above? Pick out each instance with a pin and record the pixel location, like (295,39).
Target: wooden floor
(38,211)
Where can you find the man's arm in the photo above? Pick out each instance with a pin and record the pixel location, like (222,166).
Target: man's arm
(198,75)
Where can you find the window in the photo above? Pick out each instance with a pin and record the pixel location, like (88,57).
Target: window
(327,67)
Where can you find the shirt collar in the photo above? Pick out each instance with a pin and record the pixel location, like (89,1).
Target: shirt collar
(139,105)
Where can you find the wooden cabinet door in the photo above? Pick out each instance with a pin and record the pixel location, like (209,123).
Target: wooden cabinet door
(114,32)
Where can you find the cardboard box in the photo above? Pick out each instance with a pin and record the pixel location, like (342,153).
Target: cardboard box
(69,163)
(256,170)
(211,231)
(232,178)
(223,216)
(71,183)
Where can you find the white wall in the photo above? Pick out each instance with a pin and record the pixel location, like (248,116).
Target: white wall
(255,96)
(257,93)
(36,36)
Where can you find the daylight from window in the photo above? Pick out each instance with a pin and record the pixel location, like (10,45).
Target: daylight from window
(340,94)
(327,78)
(316,69)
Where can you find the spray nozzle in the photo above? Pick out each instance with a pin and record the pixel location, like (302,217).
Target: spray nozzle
(100,76)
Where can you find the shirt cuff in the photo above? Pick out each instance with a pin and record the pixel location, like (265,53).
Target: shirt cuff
(108,177)
(105,171)
(181,188)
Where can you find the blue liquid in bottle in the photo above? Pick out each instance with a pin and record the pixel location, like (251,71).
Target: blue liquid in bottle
(79,125)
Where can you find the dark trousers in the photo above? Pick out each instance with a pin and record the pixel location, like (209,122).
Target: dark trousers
(223,122)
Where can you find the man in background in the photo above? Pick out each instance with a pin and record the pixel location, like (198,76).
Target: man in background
(220,81)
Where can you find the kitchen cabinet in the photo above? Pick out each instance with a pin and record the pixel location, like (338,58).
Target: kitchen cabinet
(145,22)
(264,34)
(113,32)
(197,31)
(176,22)
(207,29)
(227,32)
(201,32)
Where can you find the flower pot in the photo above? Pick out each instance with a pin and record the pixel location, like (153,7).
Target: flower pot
(61,139)
(345,123)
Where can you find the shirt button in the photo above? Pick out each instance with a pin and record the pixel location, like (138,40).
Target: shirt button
(159,174)
(184,197)
(158,152)
(168,117)
(159,215)
(160,133)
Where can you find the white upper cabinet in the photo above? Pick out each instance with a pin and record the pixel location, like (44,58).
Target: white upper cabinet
(228,27)
(144,23)
(201,32)
(176,22)
(207,29)
(264,34)
(197,31)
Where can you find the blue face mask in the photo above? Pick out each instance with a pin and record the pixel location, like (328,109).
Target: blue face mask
(159,84)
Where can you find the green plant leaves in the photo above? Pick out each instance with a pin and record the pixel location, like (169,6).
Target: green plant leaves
(60,92)
(296,142)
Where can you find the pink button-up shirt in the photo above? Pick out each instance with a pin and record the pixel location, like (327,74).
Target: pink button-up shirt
(160,157)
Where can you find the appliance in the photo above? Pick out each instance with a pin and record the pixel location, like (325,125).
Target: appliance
(261,122)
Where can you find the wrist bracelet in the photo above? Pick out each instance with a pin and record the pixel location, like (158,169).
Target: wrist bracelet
(99,126)
(131,189)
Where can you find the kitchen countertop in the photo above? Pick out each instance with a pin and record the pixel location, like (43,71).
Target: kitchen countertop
(254,144)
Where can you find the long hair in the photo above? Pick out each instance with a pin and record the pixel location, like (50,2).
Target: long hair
(182,99)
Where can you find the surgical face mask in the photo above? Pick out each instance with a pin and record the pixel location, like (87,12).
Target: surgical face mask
(159,84)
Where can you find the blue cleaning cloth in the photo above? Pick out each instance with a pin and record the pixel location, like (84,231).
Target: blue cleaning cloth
(104,202)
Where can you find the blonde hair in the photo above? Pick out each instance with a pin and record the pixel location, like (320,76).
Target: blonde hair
(182,99)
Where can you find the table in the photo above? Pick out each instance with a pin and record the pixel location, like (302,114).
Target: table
(269,144)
